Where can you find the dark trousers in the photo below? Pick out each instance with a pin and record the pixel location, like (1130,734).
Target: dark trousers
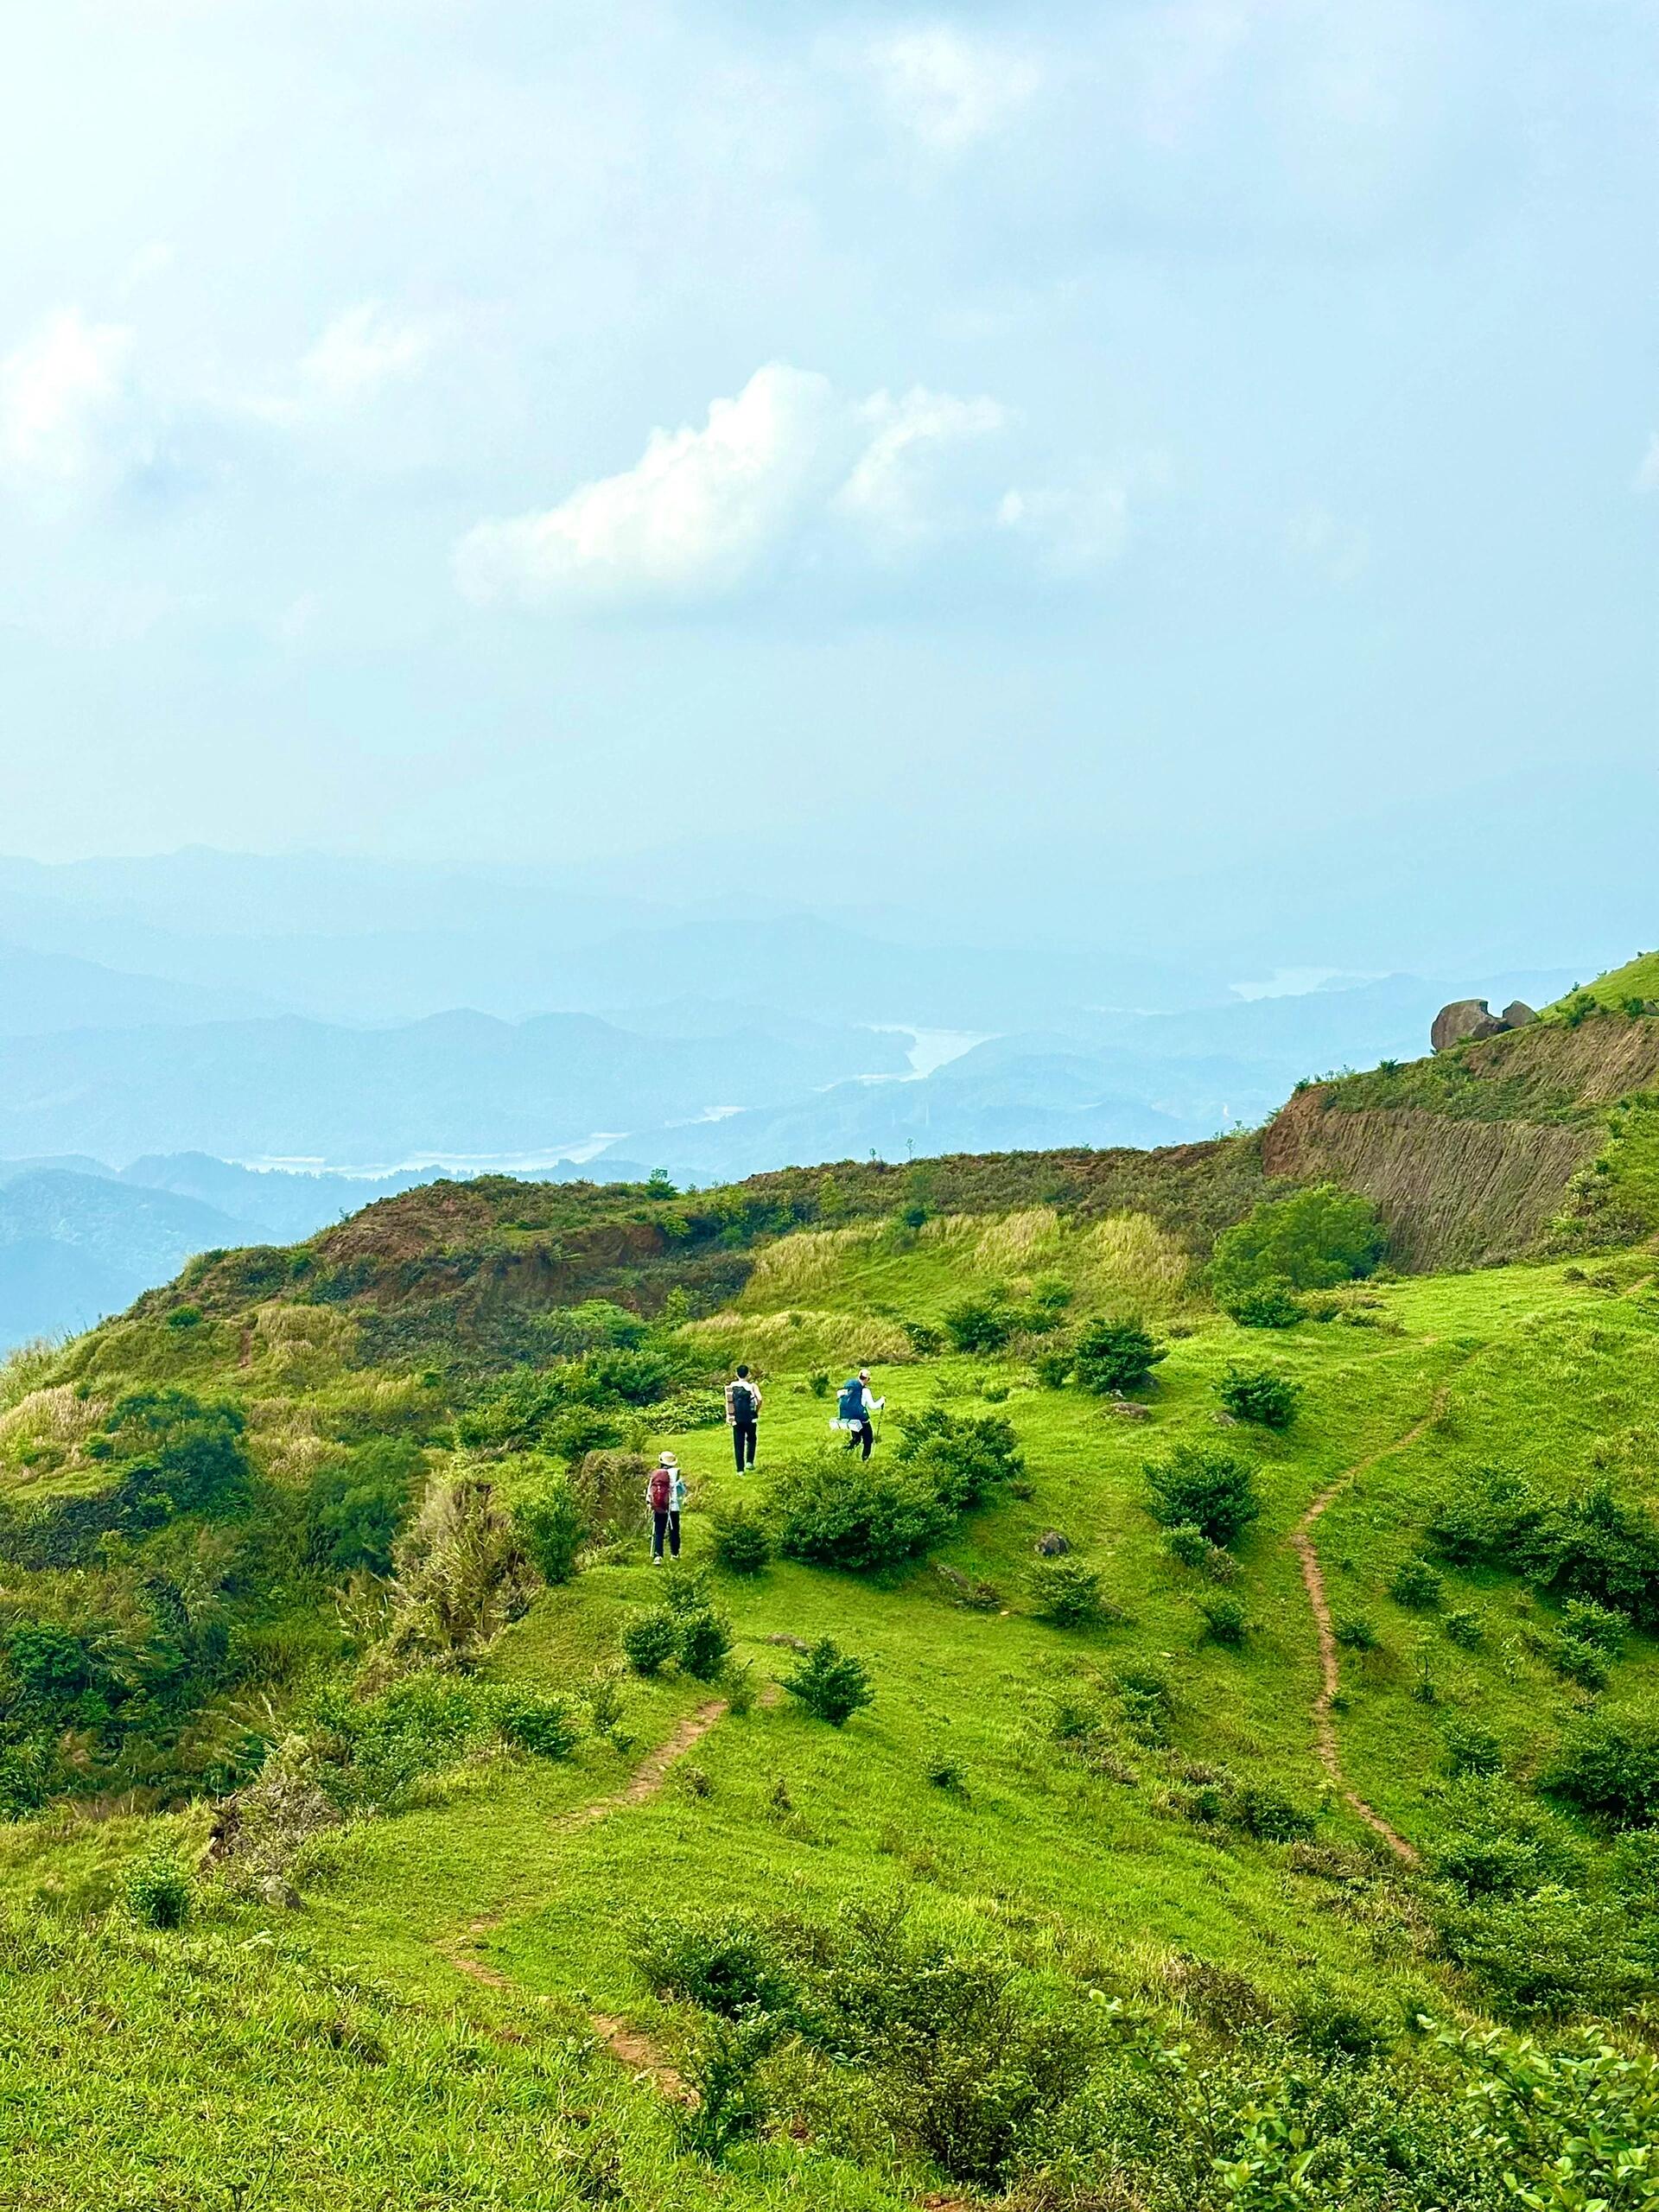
(864,1434)
(744,1433)
(664,1524)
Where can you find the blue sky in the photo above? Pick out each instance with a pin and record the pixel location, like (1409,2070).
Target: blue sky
(463,429)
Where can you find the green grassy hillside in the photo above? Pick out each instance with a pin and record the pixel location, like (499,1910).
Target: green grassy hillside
(355,1859)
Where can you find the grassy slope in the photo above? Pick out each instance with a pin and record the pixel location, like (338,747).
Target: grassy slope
(1533,1368)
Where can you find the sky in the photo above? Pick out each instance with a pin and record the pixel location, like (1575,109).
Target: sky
(917,451)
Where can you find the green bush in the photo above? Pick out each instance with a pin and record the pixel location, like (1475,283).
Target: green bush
(1206,1486)
(1355,1633)
(739,1541)
(1069,1594)
(1415,1584)
(1589,1623)
(1464,1627)
(1597,1547)
(1551,1952)
(1310,1241)
(1470,1748)
(1608,1762)
(1268,1814)
(551,1527)
(649,1642)
(830,1683)
(731,1966)
(836,1512)
(981,1325)
(1586,1664)
(357,1506)
(703,1639)
(157,1890)
(1053,1367)
(1187,1542)
(1269,1305)
(965,1461)
(729,2101)
(1224,1619)
(1112,1355)
(1261,1395)
(542,1726)
(925,1341)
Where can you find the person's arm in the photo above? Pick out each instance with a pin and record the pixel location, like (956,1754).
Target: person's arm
(759,1401)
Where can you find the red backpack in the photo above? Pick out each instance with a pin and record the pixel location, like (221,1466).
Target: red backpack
(662,1490)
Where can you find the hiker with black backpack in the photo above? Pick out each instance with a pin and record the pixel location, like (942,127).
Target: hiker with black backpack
(666,1496)
(743,1416)
(856,1410)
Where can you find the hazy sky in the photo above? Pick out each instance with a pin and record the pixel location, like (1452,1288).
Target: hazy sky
(470,427)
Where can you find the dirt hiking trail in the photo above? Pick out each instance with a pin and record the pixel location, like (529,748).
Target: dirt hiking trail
(1324,1733)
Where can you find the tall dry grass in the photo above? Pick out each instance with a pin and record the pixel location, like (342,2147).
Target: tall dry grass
(800,1268)
(1022,1243)
(1128,1261)
(807,1337)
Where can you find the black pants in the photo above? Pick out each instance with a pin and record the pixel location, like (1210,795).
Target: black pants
(743,1442)
(664,1524)
(864,1434)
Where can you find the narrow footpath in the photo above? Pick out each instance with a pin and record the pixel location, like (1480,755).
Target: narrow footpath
(1324,1733)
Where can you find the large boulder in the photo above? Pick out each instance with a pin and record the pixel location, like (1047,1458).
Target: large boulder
(1518,1013)
(1462,1022)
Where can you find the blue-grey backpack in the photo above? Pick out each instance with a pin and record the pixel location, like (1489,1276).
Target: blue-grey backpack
(852,1401)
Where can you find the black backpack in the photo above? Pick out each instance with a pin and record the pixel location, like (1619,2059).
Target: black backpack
(742,1401)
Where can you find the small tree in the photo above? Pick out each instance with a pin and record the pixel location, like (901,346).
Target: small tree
(1115,1355)
(983,1324)
(551,1527)
(1259,1395)
(1205,1486)
(1311,1241)
(1068,1593)
(830,1683)
(740,1542)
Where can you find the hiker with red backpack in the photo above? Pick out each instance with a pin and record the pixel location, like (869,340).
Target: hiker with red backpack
(666,1496)
(743,1416)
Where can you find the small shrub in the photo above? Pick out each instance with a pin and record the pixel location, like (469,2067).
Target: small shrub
(945,1773)
(1204,1485)
(1551,1952)
(1586,1664)
(1583,1619)
(818,1383)
(926,1341)
(542,1726)
(702,1642)
(184,1317)
(1259,1395)
(1053,1367)
(1268,1814)
(740,1541)
(981,1325)
(1225,1620)
(830,1683)
(1416,1584)
(1470,1748)
(649,1642)
(1270,1304)
(1608,1762)
(1310,1241)
(1112,1355)
(1355,1633)
(722,2070)
(728,1966)
(1464,1627)
(156,1891)
(836,1513)
(1187,1542)
(1068,1593)
(551,1527)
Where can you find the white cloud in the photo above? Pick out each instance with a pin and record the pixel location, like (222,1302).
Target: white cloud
(1071,528)
(361,354)
(66,405)
(899,488)
(948,89)
(364,349)
(693,517)
(790,475)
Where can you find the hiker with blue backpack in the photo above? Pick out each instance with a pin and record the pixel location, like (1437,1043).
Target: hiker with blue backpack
(856,1410)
